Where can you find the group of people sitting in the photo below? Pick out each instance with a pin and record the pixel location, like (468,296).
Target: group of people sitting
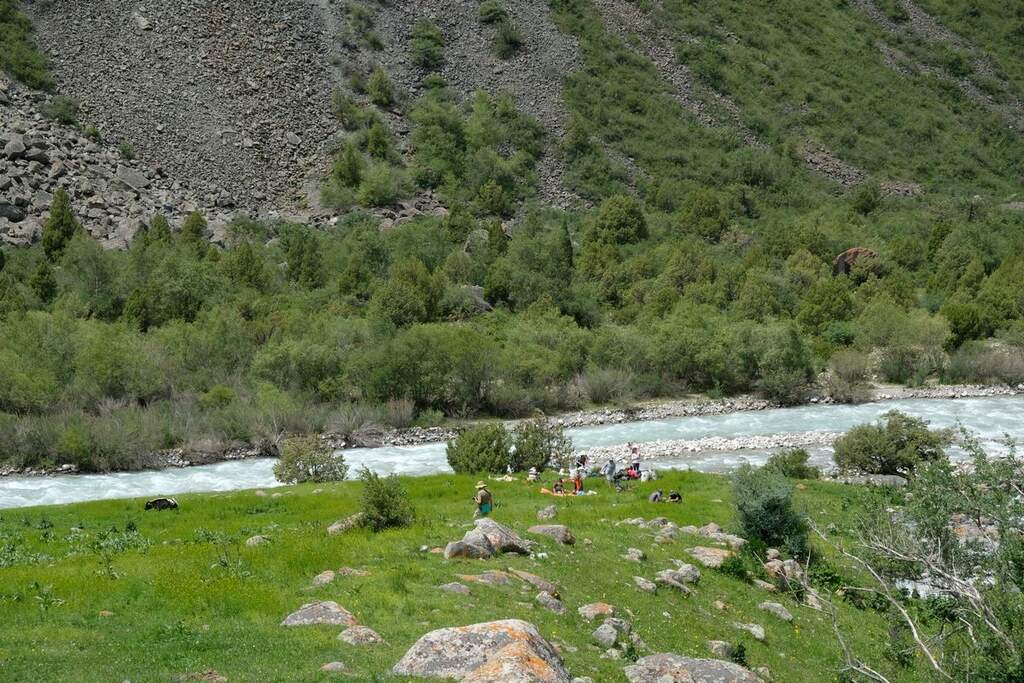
(659,497)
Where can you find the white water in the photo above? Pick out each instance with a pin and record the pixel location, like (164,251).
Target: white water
(990,418)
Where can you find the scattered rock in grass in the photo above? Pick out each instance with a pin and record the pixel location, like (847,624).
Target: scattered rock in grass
(813,600)
(347,524)
(549,601)
(587,542)
(656,523)
(360,635)
(595,610)
(106,613)
(325,612)
(634,521)
(715,533)
(611,653)
(208,676)
(752,629)
(584,679)
(673,579)
(349,571)
(645,585)
(712,558)
(561,533)
(474,546)
(690,573)
(719,605)
(492,577)
(789,571)
(550,512)
(777,609)
(455,587)
(502,538)
(323,578)
(537,582)
(605,635)
(721,649)
(334,667)
(764,585)
(259,492)
(773,554)
(634,555)
(254,541)
(509,650)
(763,671)
(671,668)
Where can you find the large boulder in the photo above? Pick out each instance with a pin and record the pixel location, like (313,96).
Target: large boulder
(671,668)
(509,650)
(501,538)
(561,533)
(474,546)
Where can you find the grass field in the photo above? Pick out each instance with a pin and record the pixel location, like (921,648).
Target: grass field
(106,592)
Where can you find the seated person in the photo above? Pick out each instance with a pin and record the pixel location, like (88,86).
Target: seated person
(559,487)
(655,497)
(674,497)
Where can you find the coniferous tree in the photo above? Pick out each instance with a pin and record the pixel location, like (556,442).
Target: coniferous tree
(43,282)
(61,226)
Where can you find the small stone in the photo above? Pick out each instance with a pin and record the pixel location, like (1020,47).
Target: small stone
(349,571)
(455,587)
(595,610)
(292,139)
(323,578)
(326,612)
(605,635)
(343,525)
(106,613)
(710,557)
(550,602)
(14,148)
(635,555)
(721,649)
(777,609)
(719,605)
(360,635)
(550,512)
(141,21)
(254,541)
(752,629)
(334,667)
(764,585)
(645,585)
(561,533)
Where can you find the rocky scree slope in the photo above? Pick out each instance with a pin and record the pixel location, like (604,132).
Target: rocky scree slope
(111,195)
(234,95)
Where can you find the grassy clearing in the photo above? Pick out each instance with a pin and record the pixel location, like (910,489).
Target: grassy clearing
(187,594)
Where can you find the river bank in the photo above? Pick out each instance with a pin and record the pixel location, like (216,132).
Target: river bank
(696,406)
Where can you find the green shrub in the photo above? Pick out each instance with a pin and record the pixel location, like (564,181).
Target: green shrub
(541,444)
(979,363)
(381,185)
(491,12)
(400,413)
(127,150)
(507,40)
(792,464)
(764,505)
(484,448)
(867,198)
(384,502)
(427,45)
(62,109)
(217,396)
(308,459)
(379,88)
(19,55)
(896,446)
(607,385)
(848,377)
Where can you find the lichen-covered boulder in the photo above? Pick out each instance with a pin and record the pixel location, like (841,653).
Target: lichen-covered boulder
(510,650)
(671,668)
(501,538)
(712,558)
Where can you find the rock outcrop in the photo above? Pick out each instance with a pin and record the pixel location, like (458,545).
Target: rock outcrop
(672,668)
(326,612)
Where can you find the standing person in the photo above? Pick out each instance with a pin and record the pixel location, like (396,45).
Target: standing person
(483,499)
(609,471)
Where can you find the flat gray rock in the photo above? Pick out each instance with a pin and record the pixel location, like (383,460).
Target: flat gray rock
(549,601)
(325,612)
(455,587)
(360,635)
(672,668)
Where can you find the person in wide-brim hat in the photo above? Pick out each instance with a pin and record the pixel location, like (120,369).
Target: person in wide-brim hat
(483,499)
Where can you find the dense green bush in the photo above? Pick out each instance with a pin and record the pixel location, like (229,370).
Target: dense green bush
(792,463)
(896,446)
(507,39)
(309,459)
(384,502)
(848,378)
(379,88)
(541,444)
(764,506)
(483,448)
(19,55)
(427,44)
(492,12)
(60,226)
(61,109)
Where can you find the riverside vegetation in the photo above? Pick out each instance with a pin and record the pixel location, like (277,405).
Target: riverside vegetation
(709,270)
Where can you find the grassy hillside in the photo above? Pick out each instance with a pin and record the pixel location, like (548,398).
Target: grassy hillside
(104,591)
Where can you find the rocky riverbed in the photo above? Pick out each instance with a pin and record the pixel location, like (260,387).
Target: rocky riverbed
(655,412)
